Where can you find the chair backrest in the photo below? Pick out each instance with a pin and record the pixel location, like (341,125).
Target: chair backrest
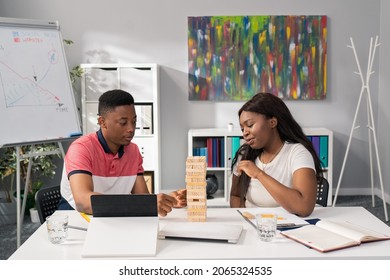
(46,201)
(322,192)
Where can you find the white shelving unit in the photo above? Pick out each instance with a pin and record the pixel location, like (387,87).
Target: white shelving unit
(197,138)
(142,81)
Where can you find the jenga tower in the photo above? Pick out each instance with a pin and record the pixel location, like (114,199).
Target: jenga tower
(196,189)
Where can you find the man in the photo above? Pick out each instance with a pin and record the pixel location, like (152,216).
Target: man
(107,162)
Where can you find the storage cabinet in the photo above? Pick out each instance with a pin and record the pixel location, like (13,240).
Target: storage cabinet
(223,143)
(141,80)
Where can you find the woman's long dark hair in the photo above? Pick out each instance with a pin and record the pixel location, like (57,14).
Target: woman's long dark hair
(289,130)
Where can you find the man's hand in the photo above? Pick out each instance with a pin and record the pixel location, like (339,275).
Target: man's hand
(165,204)
(181,198)
(176,199)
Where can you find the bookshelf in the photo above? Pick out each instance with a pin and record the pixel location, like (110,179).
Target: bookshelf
(224,143)
(142,81)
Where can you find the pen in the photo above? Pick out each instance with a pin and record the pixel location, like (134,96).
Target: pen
(85,216)
(246,219)
(79,228)
(282,227)
(286,225)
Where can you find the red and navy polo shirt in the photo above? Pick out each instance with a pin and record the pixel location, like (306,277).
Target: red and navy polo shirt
(111,174)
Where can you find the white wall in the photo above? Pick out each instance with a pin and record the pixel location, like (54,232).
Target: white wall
(153,31)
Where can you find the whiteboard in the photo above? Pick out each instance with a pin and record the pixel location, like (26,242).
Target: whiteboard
(36,96)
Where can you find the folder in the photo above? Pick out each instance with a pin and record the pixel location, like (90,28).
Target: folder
(324,151)
(235,145)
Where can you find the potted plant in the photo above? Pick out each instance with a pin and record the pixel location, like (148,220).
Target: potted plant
(42,166)
(7,169)
(7,183)
(76,72)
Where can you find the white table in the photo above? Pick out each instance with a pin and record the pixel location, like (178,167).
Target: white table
(248,247)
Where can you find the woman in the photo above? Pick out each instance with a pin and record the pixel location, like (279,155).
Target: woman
(277,165)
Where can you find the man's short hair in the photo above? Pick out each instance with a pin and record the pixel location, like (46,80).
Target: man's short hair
(111,99)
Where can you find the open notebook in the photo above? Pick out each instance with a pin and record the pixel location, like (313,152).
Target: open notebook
(327,236)
(118,233)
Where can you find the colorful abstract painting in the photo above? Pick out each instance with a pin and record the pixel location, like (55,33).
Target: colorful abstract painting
(231,58)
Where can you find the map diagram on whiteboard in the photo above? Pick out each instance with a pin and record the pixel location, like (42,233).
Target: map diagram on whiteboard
(26,82)
(35,85)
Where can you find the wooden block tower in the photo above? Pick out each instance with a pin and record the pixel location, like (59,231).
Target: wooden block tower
(196,188)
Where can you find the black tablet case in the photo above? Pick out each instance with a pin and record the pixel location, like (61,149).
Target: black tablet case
(124,205)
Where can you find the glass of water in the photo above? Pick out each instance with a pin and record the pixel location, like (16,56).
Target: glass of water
(57,227)
(266,226)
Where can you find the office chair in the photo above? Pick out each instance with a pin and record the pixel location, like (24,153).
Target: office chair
(46,201)
(322,192)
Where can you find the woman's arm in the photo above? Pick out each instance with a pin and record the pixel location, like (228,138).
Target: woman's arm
(299,199)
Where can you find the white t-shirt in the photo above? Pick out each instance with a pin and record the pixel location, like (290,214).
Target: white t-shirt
(291,157)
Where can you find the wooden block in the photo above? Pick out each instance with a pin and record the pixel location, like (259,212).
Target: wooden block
(197,201)
(199,177)
(196,209)
(196,191)
(194,215)
(202,219)
(196,182)
(196,197)
(196,165)
(197,217)
(198,187)
(196,158)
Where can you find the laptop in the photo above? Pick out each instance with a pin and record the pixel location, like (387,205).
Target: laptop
(122,226)
(201,231)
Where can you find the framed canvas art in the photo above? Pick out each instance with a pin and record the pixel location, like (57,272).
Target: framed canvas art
(231,58)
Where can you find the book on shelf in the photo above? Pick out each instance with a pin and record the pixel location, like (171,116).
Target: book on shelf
(221,152)
(214,151)
(321,146)
(209,146)
(232,145)
(201,151)
(235,145)
(327,236)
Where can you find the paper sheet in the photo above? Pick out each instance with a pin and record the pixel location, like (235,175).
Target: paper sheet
(284,218)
